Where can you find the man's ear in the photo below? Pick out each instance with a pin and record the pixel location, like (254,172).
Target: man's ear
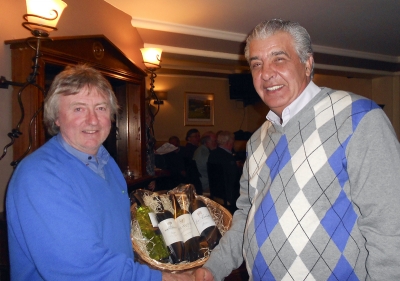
(309,64)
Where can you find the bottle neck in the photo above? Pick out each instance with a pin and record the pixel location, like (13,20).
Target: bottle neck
(160,206)
(139,201)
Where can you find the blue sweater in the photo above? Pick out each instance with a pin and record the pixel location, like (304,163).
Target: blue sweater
(65,222)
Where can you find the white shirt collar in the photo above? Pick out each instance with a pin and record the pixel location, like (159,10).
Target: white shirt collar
(292,109)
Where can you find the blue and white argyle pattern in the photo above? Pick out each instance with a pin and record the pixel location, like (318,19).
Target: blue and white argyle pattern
(302,225)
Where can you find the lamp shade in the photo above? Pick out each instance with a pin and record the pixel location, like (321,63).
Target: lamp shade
(44,8)
(151,57)
(162,95)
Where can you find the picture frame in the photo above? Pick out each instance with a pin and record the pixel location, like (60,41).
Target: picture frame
(198,109)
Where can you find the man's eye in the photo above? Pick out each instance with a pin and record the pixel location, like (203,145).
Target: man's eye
(255,65)
(102,108)
(78,109)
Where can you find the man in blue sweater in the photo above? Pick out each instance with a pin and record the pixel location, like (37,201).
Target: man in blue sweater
(319,197)
(68,211)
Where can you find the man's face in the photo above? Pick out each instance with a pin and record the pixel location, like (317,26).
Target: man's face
(84,120)
(278,75)
(175,142)
(194,139)
(212,142)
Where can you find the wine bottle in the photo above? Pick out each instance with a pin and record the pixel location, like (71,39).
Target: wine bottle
(148,226)
(188,230)
(203,220)
(170,231)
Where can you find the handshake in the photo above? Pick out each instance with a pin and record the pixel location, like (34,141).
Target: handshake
(201,274)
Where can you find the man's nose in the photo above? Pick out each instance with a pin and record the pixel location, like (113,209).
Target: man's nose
(92,118)
(267,72)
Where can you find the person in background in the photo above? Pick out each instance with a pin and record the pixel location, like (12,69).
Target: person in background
(192,143)
(208,142)
(320,191)
(174,140)
(223,155)
(175,163)
(68,211)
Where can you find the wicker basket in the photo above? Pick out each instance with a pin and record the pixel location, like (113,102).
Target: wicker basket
(217,211)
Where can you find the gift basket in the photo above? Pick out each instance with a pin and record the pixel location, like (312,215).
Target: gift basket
(178,230)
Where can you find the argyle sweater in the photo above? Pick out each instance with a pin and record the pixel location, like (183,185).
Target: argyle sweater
(319,197)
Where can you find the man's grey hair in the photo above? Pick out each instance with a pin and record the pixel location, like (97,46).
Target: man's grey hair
(206,137)
(224,137)
(70,82)
(301,38)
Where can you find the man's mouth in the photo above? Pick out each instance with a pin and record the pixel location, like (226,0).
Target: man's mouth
(274,88)
(90,132)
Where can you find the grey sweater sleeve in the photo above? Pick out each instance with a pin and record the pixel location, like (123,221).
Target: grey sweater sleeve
(228,255)
(373,162)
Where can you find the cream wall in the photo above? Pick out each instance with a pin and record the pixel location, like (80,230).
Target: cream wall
(358,86)
(81,17)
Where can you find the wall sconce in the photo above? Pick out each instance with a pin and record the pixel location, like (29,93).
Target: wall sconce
(41,18)
(151,60)
(43,15)
(162,96)
(151,57)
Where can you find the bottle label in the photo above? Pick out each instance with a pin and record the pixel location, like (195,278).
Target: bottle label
(187,227)
(153,219)
(202,219)
(170,231)
(195,231)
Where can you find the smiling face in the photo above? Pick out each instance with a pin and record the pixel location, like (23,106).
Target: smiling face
(279,76)
(84,120)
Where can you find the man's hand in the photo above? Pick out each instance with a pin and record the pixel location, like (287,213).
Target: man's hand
(203,274)
(177,276)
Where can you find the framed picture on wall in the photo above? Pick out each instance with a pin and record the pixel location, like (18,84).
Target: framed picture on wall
(199,109)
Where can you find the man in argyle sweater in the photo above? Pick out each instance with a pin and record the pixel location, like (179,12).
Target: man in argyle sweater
(320,186)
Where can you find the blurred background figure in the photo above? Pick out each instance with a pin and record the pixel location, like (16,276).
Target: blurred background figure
(208,142)
(175,163)
(224,164)
(192,143)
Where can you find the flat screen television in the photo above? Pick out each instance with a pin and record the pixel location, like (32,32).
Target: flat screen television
(241,88)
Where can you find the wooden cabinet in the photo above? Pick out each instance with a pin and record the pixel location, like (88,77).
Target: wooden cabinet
(126,142)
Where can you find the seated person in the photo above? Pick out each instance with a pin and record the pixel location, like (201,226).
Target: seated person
(173,162)
(208,142)
(169,157)
(223,155)
(193,141)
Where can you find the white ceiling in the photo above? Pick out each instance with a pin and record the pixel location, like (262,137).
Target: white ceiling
(368,29)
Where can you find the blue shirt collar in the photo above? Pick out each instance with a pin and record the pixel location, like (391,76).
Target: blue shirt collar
(95,162)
